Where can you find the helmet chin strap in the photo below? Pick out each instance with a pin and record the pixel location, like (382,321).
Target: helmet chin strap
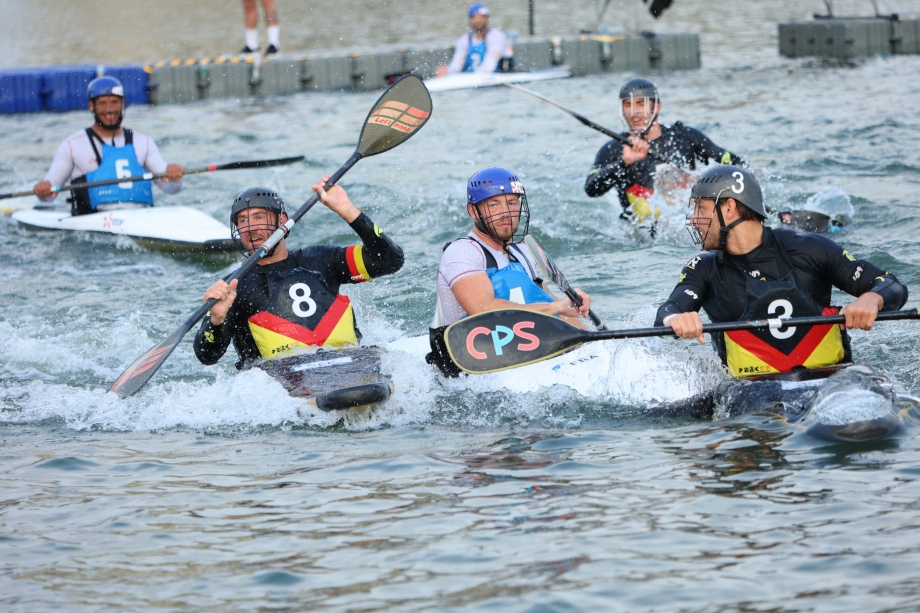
(723,232)
(115,126)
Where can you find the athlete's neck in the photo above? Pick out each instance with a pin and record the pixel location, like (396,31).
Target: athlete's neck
(653,132)
(107,134)
(280,254)
(481,34)
(745,237)
(488,240)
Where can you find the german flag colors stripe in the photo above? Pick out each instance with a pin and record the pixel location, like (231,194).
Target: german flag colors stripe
(354,255)
(274,335)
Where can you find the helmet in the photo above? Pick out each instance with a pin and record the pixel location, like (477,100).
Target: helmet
(478,9)
(496,181)
(640,89)
(725,181)
(104,86)
(721,182)
(255,198)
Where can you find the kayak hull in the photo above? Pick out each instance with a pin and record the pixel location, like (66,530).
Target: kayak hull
(471,80)
(333,380)
(172,227)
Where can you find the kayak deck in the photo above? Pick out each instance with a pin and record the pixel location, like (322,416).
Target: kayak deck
(173,227)
(333,380)
(470,80)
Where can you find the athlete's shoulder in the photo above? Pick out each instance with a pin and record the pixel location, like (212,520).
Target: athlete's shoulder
(701,263)
(804,241)
(76,136)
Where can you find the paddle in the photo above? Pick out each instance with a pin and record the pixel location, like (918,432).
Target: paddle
(398,114)
(549,270)
(588,122)
(147,176)
(498,340)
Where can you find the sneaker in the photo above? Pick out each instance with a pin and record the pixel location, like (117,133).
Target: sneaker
(271,50)
(246,49)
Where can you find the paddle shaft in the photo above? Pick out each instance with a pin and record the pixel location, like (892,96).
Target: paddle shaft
(558,278)
(149,176)
(587,122)
(817,320)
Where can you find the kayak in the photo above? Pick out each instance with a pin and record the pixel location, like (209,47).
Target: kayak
(851,403)
(333,380)
(470,80)
(170,227)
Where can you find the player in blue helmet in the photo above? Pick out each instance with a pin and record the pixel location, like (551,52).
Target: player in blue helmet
(489,269)
(482,49)
(104,151)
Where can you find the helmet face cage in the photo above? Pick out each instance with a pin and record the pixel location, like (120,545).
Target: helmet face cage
(519,213)
(697,235)
(647,106)
(250,199)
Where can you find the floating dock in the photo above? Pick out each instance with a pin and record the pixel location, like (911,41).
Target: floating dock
(847,38)
(63,88)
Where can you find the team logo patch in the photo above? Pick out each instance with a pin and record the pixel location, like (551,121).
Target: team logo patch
(692,263)
(516,187)
(847,255)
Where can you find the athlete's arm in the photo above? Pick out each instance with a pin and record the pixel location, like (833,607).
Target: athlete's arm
(705,150)
(149,156)
(476,295)
(60,171)
(214,335)
(378,256)
(681,311)
(461,50)
(608,171)
(495,51)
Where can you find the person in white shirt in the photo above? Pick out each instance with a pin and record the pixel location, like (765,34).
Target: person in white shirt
(107,151)
(481,50)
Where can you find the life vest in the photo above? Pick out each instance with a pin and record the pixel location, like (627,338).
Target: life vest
(302,312)
(640,210)
(475,55)
(114,163)
(759,352)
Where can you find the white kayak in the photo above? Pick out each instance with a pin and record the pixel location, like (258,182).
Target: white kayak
(171,227)
(470,80)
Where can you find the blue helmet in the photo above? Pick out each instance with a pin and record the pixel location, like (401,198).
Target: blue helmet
(104,86)
(478,9)
(497,181)
(492,181)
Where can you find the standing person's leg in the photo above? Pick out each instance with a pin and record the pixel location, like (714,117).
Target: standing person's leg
(251,19)
(274,30)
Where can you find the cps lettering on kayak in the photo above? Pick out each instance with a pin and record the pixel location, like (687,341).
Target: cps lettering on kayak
(500,337)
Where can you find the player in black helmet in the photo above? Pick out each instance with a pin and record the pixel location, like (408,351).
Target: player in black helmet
(631,169)
(753,272)
(291,300)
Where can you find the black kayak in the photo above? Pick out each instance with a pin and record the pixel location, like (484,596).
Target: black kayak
(846,403)
(333,380)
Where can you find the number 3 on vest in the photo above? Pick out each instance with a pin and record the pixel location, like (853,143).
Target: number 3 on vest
(786,307)
(300,294)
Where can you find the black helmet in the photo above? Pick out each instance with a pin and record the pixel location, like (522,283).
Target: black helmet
(639,88)
(255,198)
(725,181)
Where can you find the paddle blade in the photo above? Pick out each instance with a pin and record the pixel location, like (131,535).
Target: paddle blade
(401,111)
(498,340)
(145,366)
(546,264)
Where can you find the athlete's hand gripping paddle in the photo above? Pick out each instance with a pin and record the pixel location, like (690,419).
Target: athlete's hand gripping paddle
(147,176)
(499,340)
(399,113)
(550,271)
(584,120)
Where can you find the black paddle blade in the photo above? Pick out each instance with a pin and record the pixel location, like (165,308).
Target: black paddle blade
(545,262)
(259,163)
(145,366)
(401,111)
(498,340)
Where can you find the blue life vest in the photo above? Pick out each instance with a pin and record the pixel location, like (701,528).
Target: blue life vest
(114,163)
(476,54)
(513,282)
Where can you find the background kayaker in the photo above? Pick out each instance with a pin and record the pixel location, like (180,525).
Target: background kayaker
(629,169)
(754,272)
(483,50)
(291,299)
(251,19)
(488,269)
(107,151)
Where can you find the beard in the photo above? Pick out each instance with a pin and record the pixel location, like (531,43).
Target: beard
(115,126)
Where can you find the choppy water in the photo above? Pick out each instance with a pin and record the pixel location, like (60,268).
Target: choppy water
(215,490)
